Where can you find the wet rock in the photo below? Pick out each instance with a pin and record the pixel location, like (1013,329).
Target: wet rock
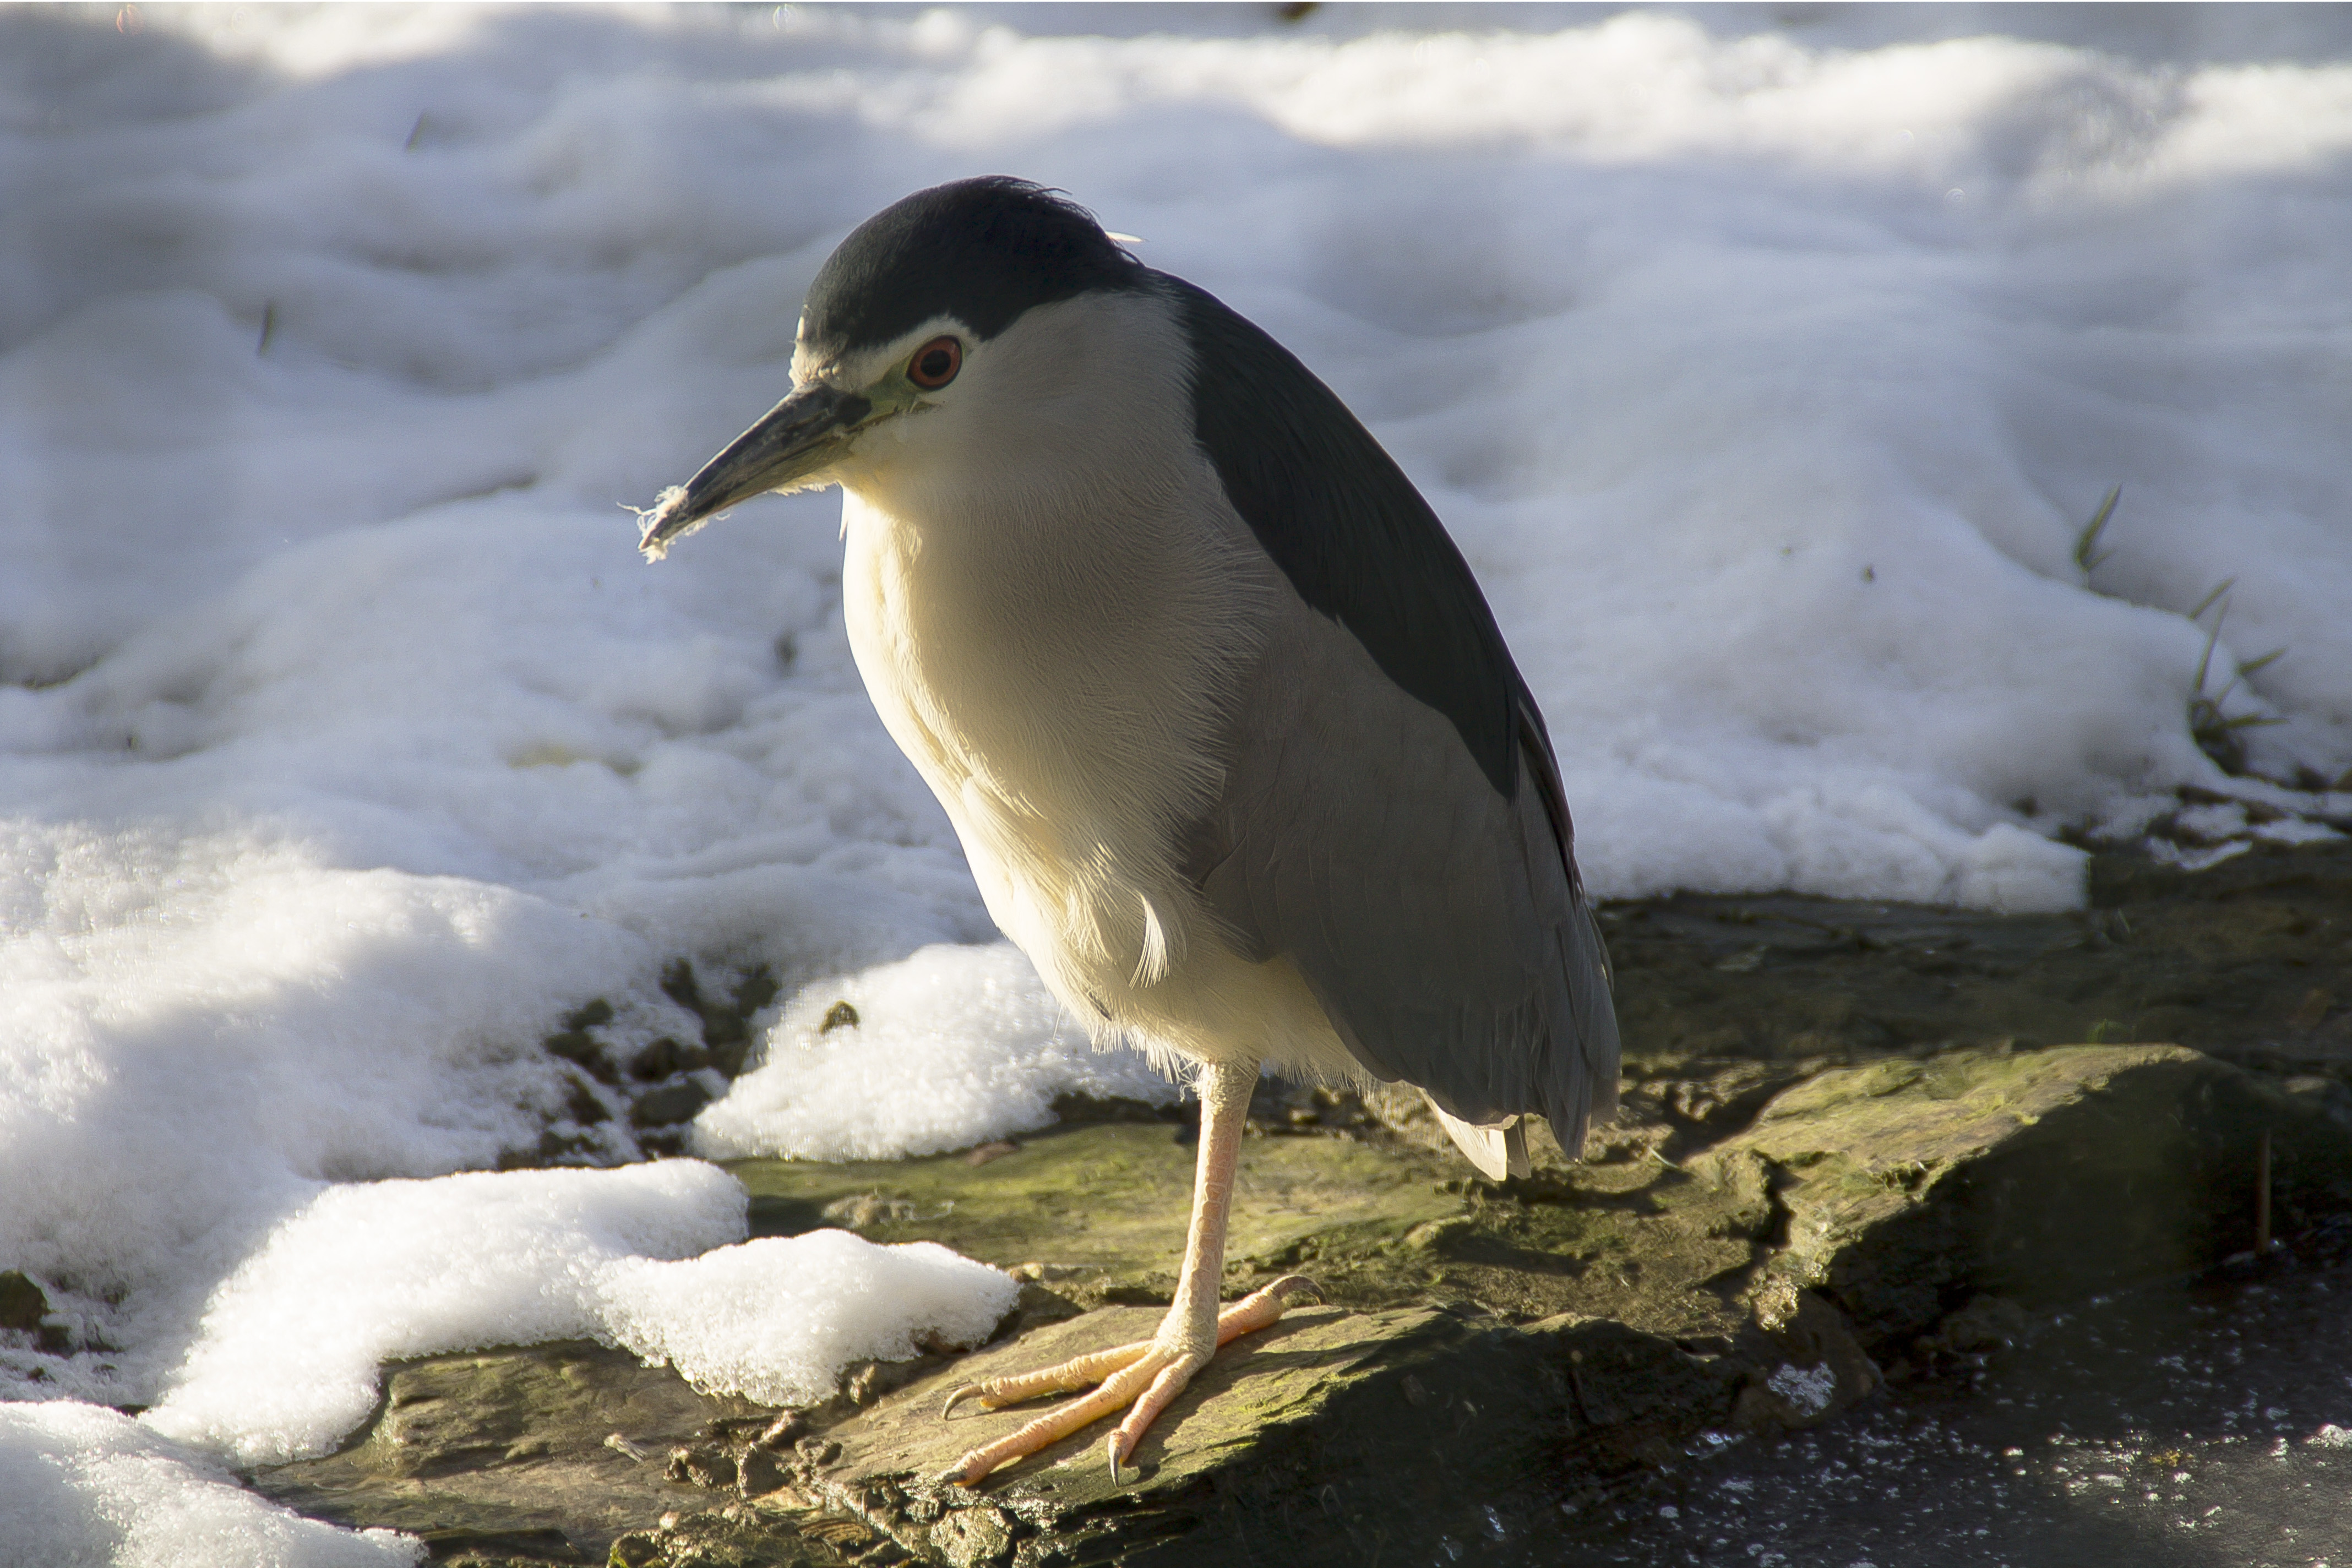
(1987,1323)
(553,1148)
(638,1549)
(1499,1349)
(669,1105)
(1435,1235)
(869,1381)
(1279,1107)
(726,1023)
(1821,1370)
(1330,1438)
(570,1438)
(586,1053)
(2327,1094)
(1721,1097)
(464,1548)
(1841,1142)
(582,1104)
(702,1465)
(737,1536)
(664,1058)
(574,1044)
(758,1472)
(2036,1177)
(866,1211)
(1333,1437)
(2224,961)
(22,1304)
(972,1537)
(1102,1205)
(1502,1348)
(1086,1109)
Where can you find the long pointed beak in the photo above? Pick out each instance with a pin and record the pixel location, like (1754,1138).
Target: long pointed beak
(793,440)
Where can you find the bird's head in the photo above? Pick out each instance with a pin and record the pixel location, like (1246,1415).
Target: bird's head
(915,314)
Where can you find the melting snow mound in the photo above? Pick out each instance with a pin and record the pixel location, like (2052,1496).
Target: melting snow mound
(649,1257)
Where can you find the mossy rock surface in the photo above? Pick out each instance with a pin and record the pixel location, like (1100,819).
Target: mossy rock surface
(1333,1437)
(2251,961)
(2036,1177)
(1102,1205)
(1842,1132)
(543,1453)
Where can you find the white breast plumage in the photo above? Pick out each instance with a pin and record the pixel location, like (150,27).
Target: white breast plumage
(1077,727)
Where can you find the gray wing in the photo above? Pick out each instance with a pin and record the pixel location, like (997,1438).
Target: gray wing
(1393,820)
(1436,922)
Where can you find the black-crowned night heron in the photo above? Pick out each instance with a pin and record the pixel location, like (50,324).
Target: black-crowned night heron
(1228,732)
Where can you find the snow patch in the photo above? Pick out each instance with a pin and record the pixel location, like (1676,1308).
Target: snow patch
(950,1047)
(81,1484)
(649,1257)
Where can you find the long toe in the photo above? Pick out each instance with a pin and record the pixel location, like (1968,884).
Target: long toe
(1158,1395)
(1078,1371)
(1143,1378)
(1130,1385)
(1263,1306)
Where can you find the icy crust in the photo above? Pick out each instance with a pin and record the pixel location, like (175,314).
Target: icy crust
(651,1258)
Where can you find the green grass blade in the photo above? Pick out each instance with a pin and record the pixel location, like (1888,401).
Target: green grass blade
(2088,554)
(2221,590)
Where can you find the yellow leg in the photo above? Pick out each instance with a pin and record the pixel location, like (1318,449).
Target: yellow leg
(1078,1371)
(1147,1377)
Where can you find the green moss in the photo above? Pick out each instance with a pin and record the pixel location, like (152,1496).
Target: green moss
(2039,1175)
(1109,1200)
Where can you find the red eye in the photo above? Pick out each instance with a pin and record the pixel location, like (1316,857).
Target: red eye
(935,363)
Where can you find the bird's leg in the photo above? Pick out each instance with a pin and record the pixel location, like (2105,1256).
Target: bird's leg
(1146,1376)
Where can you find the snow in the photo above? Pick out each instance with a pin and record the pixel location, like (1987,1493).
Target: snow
(82,1487)
(651,1256)
(1767,374)
(952,1045)
(778,1320)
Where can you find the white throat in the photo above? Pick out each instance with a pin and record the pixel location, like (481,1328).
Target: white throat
(1053,606)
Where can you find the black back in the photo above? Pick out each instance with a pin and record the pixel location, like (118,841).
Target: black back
(1353,535)
(981,250)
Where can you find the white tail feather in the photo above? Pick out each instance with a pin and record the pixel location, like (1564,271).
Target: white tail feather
(1498,1152)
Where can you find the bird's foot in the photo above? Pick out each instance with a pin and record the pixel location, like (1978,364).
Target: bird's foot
(1144,1378)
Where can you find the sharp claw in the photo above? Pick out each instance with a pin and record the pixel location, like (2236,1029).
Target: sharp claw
(1110,1451)
(1292,1286)
(969,1391)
